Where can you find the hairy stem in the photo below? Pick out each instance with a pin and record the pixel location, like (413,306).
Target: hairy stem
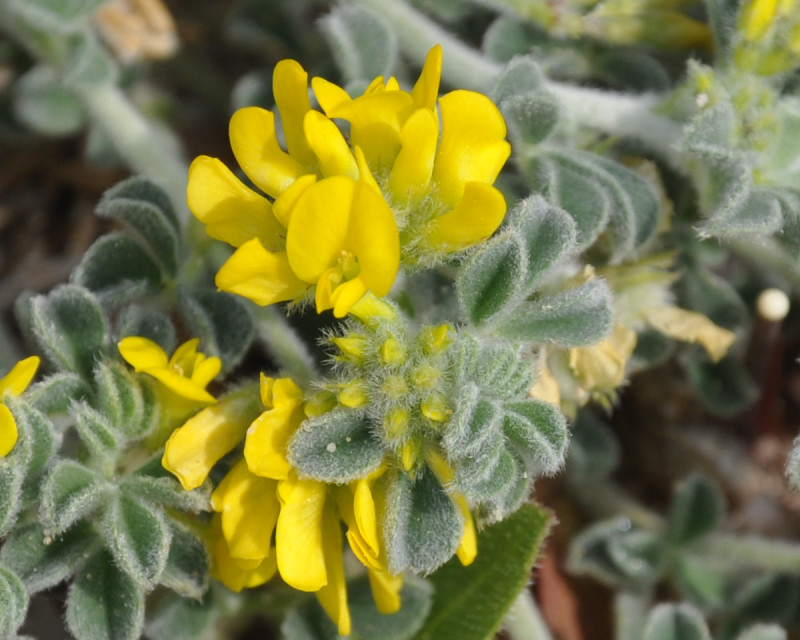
(524,621)
(283,343)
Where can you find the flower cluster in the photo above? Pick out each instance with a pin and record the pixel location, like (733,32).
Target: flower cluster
(412,184)
(263,493)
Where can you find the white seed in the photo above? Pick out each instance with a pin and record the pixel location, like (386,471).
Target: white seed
(331,447)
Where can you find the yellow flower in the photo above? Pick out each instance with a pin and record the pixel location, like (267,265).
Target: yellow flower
(436,171)
(186,374)
(248,510)
(324,220)
(13,384)
(193,449)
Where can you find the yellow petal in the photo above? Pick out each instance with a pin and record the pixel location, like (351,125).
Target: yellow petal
(285,392)
(249,510)
(252,134)
(142,354)
(329,146)
(364,514)
(345,296)
(193,449)
(282,208)
(20,376)
(468,547)
(260,275)
(385,590)
(375,123)
(476,216)
(205,371)
(236,574)
(330,96)
(757,17)
(413,167)
(181,386)
(546,388)
(374,238)
(299,536)
(690,326)
(318,229)
(8,431)
(290,87)
(472,146)
(184,356)
(267,442)
(364,172)
(230,211)
(426,89)
(333,596)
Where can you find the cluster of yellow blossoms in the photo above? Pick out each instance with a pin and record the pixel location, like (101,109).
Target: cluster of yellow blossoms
(338,216)
(262,493)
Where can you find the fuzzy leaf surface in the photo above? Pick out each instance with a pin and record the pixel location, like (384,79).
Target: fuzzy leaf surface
(573,318)
(147,213)
(139,539)
(423,526)
(336,447)
(13,602)
(491,281)
(69,327)
(43,561)
(471,602)
(69,493)
(104,603)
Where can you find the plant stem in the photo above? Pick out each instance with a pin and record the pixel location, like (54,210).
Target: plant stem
(749,551)
(139,141)
(613,113)
(524,621)
(285,345)
(630,613)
